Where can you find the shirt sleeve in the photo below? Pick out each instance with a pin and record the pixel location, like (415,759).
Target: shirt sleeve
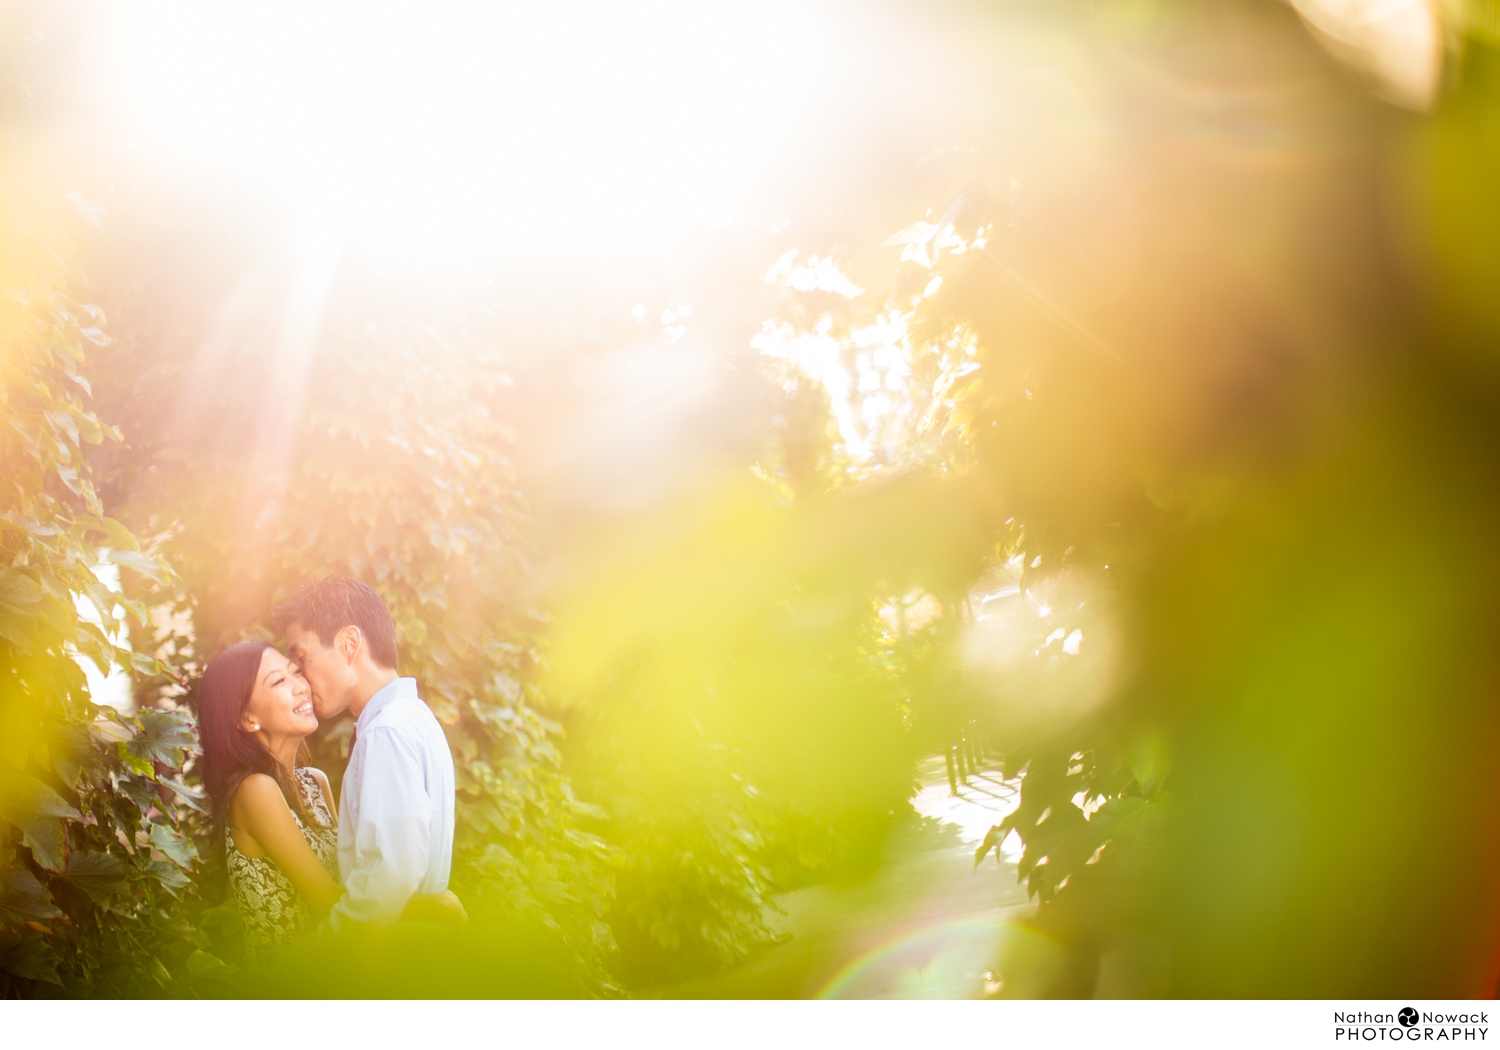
(392,835)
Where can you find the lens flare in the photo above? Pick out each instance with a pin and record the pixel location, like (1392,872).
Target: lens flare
(945,960)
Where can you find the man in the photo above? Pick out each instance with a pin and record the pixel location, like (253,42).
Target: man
(396,803)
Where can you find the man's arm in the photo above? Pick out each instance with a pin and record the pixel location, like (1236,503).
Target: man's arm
(391,838)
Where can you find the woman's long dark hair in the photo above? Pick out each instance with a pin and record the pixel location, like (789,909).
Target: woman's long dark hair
(229,753)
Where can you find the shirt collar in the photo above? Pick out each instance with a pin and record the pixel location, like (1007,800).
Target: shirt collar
(398,689)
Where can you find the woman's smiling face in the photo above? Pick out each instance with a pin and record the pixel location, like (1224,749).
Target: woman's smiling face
(281,702)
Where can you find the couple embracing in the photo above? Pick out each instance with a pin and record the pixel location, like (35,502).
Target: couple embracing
(379,856)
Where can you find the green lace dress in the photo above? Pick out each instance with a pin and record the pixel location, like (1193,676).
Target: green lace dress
(272,910)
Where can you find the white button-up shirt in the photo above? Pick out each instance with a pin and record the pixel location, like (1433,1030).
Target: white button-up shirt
(396,808)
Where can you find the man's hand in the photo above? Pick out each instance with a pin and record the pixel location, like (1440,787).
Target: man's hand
(444,908)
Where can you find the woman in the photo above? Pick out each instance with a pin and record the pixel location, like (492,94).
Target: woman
(277,818)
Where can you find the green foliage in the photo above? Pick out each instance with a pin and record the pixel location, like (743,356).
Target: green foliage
(713,659)
(692,889)
(1209,408)
(95,866)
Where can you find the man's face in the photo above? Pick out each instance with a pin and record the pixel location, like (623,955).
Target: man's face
(330,675)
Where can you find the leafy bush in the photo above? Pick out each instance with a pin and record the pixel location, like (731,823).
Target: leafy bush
(95,859)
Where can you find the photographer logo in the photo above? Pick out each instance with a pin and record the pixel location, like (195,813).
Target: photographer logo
(1410,1025)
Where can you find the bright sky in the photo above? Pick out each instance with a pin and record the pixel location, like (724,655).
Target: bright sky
(513,125)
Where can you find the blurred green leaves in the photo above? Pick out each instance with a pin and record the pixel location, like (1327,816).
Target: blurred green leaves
(82,902)
(1233,374)
(35,808)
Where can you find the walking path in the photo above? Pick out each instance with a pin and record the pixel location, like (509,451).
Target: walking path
(926,925)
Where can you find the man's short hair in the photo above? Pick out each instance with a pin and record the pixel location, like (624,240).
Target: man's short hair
(328,605)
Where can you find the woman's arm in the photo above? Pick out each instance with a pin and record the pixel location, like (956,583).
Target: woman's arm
(263,813)
(259,809)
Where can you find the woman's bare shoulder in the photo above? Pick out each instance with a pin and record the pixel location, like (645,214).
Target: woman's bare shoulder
(256,791)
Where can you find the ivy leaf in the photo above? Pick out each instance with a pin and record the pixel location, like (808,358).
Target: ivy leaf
(108,732)
(168,727)
(103,599)
(71,753)
(202,964)
(139,789)
(29,955)
(160,973)
(135,762)
(61,615)
(27,524)
(175,846)
(139,562)
(18,592)
(163,737)
(13,631)
(88,427)
(69,477)
(222,919)
(190,798)
(120,538)
(35,808)
(95,644)
(99,875)
(22,897)
(168,876)
(63,421)
(143,664)
(19,597)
